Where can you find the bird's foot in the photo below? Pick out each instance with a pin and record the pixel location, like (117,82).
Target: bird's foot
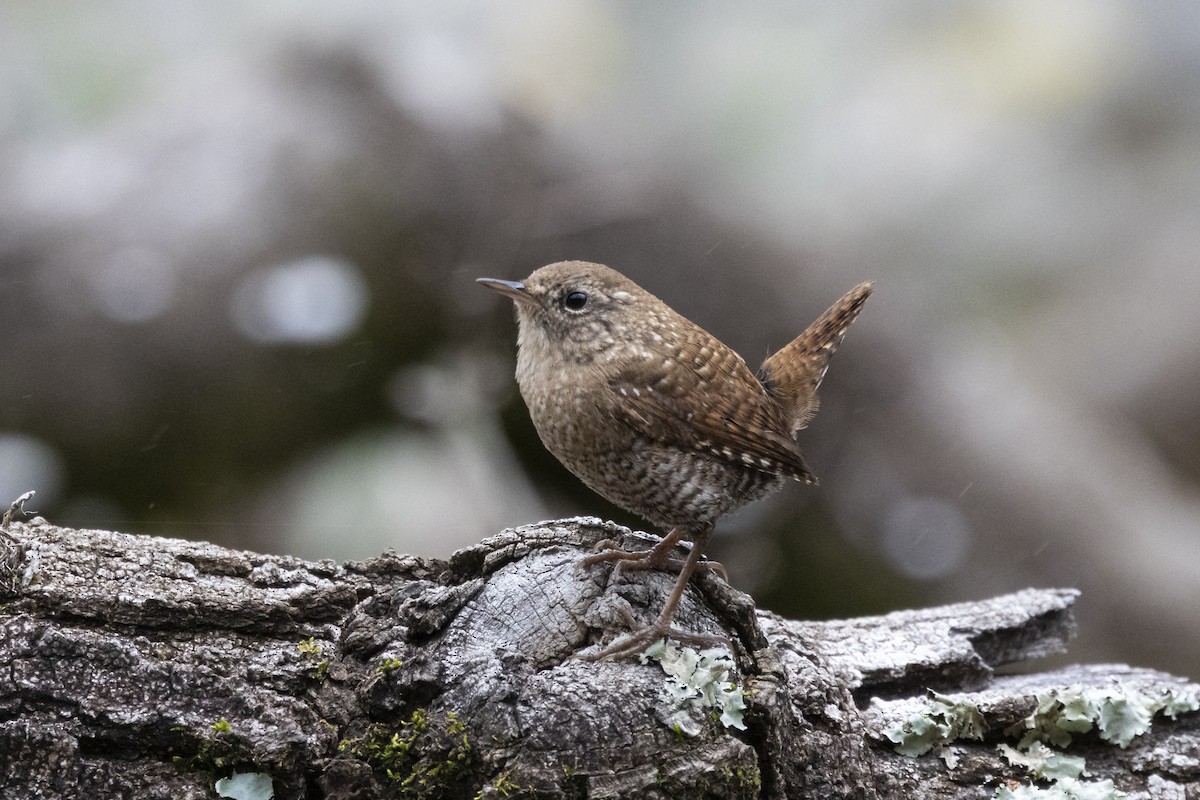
(641,637)
(642,560)
(656,557)
(610,550)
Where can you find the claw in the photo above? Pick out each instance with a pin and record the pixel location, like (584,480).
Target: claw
(714,566)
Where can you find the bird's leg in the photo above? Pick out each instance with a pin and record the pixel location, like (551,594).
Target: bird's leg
(642,637)
(657,557)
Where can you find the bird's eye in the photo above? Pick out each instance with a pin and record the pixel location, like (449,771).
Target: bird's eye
(575,301)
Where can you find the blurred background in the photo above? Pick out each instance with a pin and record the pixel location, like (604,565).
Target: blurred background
(238,244)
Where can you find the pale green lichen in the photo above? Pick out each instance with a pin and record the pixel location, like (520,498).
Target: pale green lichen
(1119,714)
(1064,789)
(951,718)
(949,756)
(1045,762)
(1185,700)
(1064,773)
(246,786)
(698,680)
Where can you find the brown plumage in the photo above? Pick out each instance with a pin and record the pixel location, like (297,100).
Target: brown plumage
(793,373)
(656,414)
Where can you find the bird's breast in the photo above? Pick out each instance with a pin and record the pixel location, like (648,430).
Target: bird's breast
(567,404)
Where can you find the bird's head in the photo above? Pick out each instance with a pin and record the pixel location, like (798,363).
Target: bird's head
(575,311)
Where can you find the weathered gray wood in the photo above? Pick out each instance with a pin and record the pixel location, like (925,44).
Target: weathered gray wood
(145,667)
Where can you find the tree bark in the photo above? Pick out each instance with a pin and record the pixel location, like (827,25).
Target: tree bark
(135,666)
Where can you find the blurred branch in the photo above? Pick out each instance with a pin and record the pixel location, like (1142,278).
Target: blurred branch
(144,667)
(16,507)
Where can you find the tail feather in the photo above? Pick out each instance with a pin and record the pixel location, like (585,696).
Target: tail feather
(792,374)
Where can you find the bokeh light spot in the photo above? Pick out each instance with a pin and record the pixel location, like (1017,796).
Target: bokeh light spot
(312,300)
(925,537)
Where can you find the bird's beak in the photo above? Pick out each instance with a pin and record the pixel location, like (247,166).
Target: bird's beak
(513,289)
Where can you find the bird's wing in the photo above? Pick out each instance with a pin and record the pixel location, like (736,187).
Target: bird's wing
(713,405)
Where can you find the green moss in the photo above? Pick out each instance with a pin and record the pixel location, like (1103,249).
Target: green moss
(741,782)
(425,759)
(388,665)
(313,653)
(210,753)
(502,785)
(735,782)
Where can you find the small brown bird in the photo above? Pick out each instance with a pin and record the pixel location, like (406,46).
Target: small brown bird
(656,414)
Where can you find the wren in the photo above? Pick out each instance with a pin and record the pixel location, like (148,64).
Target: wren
(657,415)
